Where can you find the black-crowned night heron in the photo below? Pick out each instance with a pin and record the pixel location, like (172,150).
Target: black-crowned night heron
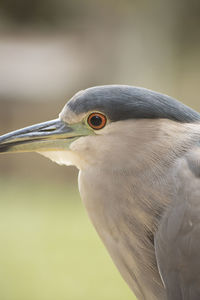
(138,153)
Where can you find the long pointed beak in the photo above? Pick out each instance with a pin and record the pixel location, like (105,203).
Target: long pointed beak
(47,136)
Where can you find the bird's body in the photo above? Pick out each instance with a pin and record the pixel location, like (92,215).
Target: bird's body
(127,213)
(138,153)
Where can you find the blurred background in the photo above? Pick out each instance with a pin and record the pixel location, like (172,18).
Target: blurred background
(48,51)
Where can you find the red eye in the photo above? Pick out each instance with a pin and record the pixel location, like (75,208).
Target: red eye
(96,120)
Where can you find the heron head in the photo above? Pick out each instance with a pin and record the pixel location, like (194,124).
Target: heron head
(95,121)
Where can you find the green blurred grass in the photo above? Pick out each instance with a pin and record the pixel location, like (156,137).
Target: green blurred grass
(49,250)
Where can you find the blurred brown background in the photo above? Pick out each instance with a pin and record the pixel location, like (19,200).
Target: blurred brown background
(51,49)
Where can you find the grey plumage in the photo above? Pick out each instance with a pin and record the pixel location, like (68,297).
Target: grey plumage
(177,239)
(139,180)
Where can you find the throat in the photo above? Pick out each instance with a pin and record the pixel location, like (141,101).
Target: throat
(67,158)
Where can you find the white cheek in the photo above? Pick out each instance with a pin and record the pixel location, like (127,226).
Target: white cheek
(71,157)
(62,157)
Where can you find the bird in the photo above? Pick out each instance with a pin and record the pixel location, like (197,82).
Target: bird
(138,155)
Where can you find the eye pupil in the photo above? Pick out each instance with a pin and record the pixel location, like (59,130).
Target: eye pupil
(96,121)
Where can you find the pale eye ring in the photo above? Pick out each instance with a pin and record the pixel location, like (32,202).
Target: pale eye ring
(96,120)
